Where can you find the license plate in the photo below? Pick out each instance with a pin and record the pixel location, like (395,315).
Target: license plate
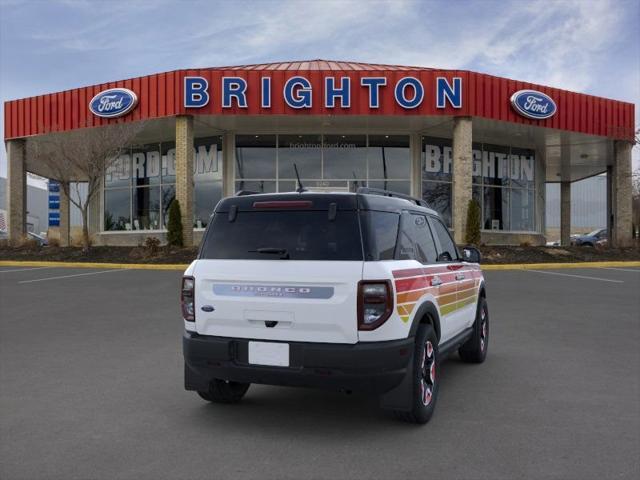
(267,353)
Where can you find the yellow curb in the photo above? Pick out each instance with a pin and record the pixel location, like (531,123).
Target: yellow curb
(549,266)
(129,266)
(180,267)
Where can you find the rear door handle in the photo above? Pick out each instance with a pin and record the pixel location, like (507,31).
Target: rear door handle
(460,276)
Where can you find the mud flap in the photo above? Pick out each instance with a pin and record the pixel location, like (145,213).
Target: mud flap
(401,397)
(193,381)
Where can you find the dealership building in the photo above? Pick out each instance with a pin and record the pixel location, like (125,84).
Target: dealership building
(447,136)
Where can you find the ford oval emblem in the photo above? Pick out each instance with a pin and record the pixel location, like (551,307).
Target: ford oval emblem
(114,102)
(533,104)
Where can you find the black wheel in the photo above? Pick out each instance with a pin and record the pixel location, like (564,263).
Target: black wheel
(474,350)
(425,384)
(222,391)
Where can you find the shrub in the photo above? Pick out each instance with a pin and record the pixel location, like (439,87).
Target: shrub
(174,226)
(29,244)
(152,246)
(54,242)
(472,235)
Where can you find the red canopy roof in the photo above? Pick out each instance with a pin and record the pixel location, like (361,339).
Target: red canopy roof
(161,95)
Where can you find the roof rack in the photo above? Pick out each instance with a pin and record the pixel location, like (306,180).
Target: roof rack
(242,193)
(389,193)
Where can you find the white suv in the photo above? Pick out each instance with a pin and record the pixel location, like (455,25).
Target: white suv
(351,291)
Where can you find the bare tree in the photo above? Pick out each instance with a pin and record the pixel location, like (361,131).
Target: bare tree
(82,156)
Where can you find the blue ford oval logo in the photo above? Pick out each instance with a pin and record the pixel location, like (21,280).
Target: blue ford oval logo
(114,102)
(533,104)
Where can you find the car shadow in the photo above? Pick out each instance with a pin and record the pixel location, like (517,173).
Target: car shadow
(305,411)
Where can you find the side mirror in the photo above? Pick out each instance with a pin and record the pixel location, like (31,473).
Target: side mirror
(444,257)
(471,255)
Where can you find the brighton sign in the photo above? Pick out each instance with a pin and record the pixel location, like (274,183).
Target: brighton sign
(533,104)
(408,92)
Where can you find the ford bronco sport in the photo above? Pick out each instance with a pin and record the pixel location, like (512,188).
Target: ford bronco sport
(357,291)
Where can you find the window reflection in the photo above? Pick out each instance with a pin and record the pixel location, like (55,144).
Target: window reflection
(117,203)
(303,150)
(344,156)
(255,156)
(389,157)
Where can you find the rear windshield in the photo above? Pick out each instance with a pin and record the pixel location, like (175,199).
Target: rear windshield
(276,235)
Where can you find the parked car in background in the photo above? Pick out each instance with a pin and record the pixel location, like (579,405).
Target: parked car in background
(41,239)
(591,239)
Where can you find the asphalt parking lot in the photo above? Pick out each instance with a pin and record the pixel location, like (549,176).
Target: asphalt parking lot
(91,388)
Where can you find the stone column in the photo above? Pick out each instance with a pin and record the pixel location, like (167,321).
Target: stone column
(621,184)
(16,191)
(228,164)
(610,203)
(462,175)
(184,175)
(65,218)
(416,165)
(565,213)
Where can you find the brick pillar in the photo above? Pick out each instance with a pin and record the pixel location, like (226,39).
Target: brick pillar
(228,164)
(184,174)
(16,191)
(65,219)
(416,164)
(565,213)
(621,184)
(462,175)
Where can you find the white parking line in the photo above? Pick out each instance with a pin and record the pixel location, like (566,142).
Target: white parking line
(637,270)
(577,276)
(24,269)
(69,276)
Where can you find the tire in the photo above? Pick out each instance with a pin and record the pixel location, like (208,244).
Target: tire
(425,384)
(474,350)
(222,391)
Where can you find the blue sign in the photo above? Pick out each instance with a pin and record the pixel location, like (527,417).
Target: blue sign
(533,104)
(54,203)
(114,102)
(54,219)
(54,187)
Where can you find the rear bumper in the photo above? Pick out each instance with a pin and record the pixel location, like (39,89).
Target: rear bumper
(371,367)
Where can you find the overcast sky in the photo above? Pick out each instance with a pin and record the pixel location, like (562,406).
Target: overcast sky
(581,45)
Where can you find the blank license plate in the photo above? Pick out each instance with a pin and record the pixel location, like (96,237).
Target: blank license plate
(267,353)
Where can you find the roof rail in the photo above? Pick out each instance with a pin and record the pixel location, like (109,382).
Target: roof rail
(389,193)
(242,193)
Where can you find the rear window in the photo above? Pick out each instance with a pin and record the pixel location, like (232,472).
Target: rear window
(275,235)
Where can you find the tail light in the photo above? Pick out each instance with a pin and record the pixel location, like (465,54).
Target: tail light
(375,303)
(187,299)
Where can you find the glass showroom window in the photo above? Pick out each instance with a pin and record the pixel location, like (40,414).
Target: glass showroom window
(503,183)
(495,181)
(506,176)
(207,178)
(256,163)
(437,175)
(168,188)
(389,163)
(117,194)
(340,162)
(140,185)
(145,193)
